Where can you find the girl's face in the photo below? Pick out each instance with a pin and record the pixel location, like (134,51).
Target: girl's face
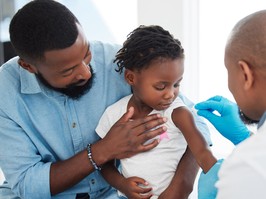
(156,86)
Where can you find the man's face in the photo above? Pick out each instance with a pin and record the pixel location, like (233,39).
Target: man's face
(239,86)
(67,70)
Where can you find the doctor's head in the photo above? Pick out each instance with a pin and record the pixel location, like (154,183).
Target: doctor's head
(245,61)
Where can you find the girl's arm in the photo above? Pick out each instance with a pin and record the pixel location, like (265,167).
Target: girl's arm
(128,186)
(184,120)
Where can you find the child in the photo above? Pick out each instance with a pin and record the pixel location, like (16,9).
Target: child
(154,65)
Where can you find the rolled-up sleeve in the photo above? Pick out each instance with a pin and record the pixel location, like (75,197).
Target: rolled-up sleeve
(21,162)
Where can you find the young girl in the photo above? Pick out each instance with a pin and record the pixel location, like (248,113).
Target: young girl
(154,65)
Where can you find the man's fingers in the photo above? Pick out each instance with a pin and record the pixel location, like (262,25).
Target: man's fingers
(127,116)
(210,106)
(208,115)
(148,123)
(130,135)
(149,146)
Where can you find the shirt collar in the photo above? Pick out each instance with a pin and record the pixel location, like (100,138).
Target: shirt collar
(262,120)
(29,82)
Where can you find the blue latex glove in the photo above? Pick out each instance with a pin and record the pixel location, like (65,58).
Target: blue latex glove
(228,123)
(206,183)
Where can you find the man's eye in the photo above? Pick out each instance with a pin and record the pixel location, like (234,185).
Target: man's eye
(68,73)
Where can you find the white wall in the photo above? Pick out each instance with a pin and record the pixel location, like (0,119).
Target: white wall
(108,21)
(111,21)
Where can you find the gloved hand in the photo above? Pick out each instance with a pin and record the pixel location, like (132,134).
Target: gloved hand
(228,123)
(206,183)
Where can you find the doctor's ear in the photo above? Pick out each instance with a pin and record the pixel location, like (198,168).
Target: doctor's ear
(129,76)
(27,66)
(248,74)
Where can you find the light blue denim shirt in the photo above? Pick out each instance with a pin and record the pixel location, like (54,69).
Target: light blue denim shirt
(39,126)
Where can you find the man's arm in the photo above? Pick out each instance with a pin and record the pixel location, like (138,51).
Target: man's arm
(182,183)
(129,137)
(23,165)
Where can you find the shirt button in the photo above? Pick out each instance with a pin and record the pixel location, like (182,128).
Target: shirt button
(92,181)
(73,124)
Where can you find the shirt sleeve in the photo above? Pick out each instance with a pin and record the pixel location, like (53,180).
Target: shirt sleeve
(21,163)
(242,174)
(104,125)
(202,126)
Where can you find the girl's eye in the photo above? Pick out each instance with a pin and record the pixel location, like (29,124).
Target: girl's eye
(160,87)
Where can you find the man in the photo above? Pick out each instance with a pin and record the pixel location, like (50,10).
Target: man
(52,97)
(242,174)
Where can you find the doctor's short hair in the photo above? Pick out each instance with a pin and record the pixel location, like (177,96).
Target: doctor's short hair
(40,26)
(146,44)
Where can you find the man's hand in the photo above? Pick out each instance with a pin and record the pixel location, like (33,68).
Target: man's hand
(127,137)
(228,122)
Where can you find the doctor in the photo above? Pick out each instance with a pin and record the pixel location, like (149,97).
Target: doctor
(243,174)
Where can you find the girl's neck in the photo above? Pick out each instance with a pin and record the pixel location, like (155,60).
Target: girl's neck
(140,109)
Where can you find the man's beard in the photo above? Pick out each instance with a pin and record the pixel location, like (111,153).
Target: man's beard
(72,90)
(246,119)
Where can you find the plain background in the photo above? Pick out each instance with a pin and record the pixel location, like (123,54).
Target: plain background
(201,25)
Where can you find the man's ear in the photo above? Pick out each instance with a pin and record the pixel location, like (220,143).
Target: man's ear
(27,66)
(129,76)
(247,73)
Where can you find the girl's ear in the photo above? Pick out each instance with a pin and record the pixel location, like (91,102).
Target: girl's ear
(129,76)
(27,66)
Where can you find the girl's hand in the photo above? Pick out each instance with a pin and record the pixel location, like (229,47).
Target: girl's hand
(136,188)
